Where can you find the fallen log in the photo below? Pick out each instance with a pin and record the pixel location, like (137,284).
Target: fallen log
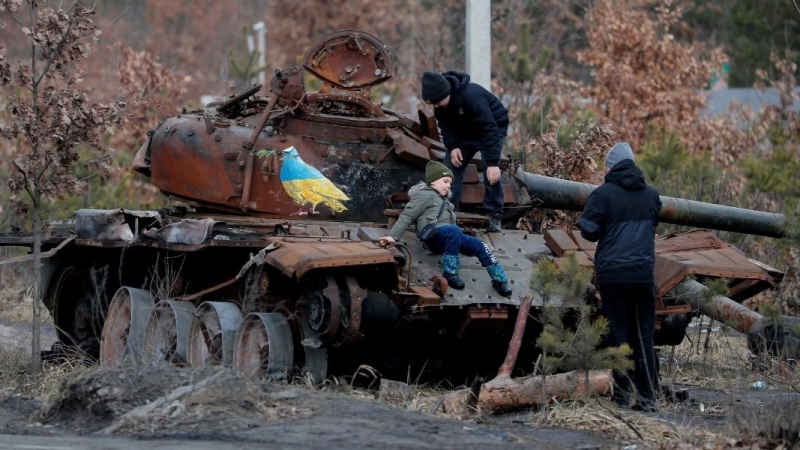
(505,394)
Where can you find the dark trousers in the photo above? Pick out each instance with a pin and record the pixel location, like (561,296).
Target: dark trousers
(631,313)
(450,240)
(493,197)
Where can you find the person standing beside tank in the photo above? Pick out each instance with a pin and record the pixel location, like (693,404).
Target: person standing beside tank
(621,216)
(428,204)
(472,120)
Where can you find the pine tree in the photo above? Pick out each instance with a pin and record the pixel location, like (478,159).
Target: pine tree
(562,347)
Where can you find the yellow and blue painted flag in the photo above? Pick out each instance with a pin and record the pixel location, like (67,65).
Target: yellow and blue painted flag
(305,184)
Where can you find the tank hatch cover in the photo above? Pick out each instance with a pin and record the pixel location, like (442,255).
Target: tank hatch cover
(350,59)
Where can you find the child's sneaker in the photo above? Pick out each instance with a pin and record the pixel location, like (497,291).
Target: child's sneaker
(502,288)
(454,281)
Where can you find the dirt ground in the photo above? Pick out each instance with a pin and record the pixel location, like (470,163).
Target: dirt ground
(247,411)
(254,412)
(223,408)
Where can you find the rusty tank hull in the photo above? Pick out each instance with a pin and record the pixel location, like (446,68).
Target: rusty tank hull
(268,259)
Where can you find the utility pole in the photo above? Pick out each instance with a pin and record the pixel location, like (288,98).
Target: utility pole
(261,35)
(479,42)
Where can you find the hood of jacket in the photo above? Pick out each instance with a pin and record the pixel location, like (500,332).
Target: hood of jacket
(423,188)
(458,82)
(627,176)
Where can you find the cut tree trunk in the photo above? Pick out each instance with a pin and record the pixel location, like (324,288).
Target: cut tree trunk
(504,394)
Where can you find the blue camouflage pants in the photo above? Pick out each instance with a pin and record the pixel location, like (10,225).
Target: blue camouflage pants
(450,240)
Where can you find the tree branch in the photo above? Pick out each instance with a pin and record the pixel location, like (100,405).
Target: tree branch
(56,52)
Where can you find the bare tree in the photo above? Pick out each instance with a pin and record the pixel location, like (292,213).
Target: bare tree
(54,126)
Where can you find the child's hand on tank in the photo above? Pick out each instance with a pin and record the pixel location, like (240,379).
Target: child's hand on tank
(386,240)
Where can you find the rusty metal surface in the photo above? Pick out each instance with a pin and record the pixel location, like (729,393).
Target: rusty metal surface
(45,254)
(722,309)
(356,296)
(559,241)
(297,257)
(701,253)
(187,232)
(112,225)
(568,195)
(350,59)
(482,321)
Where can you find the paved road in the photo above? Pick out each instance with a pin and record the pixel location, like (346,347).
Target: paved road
(26,442)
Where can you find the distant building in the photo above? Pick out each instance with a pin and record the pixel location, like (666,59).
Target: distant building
(719,101)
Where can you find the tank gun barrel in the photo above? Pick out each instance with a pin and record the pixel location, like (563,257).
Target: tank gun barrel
(555,193)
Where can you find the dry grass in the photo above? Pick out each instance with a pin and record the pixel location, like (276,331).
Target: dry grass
(619,425)
(16,380)
(724,364)
(16,303)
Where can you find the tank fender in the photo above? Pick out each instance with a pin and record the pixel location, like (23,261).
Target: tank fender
(296,256)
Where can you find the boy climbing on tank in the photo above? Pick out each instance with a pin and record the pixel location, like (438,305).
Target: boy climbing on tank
(429,204)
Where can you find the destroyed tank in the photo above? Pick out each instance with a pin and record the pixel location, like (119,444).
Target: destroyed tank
(255,268)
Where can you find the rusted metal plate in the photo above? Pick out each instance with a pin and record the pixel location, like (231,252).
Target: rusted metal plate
(690,241)
(583,244)
(559,241)
(409,150)
(471,175)
(431,144)
(357,296)
(426,297)
(113,224)
(186,232)
(429,126)
(513,250)
(480,322)
(350,59)
(677,259)
(296,257)
(472,194)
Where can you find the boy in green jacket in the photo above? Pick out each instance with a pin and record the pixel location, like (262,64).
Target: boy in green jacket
(426,206)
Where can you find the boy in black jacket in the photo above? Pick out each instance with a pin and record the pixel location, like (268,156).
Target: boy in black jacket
(622,215)
(472,120)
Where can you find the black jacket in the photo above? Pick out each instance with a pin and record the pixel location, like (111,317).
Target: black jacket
(474,119)
(622,214)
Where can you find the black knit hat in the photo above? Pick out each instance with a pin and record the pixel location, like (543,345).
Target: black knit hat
(435,87)
(435,170)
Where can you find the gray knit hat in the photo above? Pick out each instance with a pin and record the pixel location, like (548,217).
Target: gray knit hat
(620,151)
(435,87)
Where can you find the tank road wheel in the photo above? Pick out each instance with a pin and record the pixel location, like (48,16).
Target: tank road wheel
(124,329)
(321,314)
(264,347)
(213,334)
(315,364)
(167,332)
(64,293)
